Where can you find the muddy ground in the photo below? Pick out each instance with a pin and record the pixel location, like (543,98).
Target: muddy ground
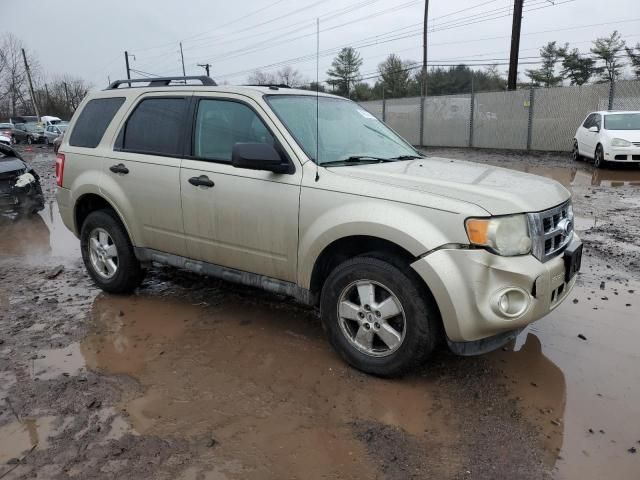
(193,378)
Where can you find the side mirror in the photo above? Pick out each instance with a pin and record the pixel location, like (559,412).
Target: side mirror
(258,156)
(594,129)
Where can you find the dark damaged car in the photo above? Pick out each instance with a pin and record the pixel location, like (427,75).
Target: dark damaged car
(20,189)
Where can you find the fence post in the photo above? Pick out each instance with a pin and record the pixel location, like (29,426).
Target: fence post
(532,96)
(384,109)
(422,120)
(471,115)
(612,93)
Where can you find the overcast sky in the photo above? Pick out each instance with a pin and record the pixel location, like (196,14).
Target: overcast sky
(88,38)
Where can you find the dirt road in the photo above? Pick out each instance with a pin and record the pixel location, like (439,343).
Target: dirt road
(197,379)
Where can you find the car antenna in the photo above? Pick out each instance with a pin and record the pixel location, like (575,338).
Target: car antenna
(317,98)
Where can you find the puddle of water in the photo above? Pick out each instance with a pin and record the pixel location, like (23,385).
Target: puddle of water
(19,437)
(596,384)
(37,235)
(62,361)
(261,380)
(570,175)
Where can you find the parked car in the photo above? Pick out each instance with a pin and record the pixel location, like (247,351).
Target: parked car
(15,134)
(608,137)
(47,120)
(20,190)
(57,142)
(51,132)
(399,251)
(6,140)
(35,132)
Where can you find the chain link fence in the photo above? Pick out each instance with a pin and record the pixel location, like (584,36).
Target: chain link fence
(529,119)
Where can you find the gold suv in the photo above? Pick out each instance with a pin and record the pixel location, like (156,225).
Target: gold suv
(309,195)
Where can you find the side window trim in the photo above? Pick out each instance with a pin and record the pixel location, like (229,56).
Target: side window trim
(119,142)
(190,150)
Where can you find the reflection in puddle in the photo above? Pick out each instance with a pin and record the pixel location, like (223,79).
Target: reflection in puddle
(601,377)
(569,176)
(19,437)
(37,235)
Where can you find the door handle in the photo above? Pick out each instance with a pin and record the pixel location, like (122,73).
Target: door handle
(119,168)
(201,181)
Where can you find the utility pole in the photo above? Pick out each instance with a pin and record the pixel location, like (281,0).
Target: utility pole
(424,48)
(126,61)
(33,97)
(66,95)
(182,57)
(515,44)
(206,67)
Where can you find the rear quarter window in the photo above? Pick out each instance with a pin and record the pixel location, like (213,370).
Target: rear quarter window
(93,121)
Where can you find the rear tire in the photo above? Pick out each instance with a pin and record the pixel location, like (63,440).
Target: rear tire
(108,253)
(390,330)
(598,157)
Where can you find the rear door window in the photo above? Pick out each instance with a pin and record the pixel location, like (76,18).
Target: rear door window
(93,121)
(155,127)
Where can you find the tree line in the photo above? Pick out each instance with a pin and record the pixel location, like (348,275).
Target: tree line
(605,62)
(56,95)
(396,77)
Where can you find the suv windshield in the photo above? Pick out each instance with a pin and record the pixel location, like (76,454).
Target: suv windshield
(622,121)
(345,129)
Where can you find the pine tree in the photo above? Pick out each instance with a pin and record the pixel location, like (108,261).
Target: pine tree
(345,71)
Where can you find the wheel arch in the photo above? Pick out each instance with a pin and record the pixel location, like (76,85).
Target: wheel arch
(91,202)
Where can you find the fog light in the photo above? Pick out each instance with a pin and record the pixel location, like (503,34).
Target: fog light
(511,302)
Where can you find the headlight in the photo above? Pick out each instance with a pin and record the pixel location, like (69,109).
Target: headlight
(503,235)
(620,142)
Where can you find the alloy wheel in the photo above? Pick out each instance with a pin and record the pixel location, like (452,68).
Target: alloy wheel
(103,253)
(371,318)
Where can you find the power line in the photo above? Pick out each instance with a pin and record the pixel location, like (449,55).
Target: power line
(376,40)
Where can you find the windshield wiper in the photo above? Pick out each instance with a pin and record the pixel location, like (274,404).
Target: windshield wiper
(407,157)
(358,159)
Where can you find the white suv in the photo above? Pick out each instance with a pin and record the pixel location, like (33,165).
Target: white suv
(311,196)
(608,137)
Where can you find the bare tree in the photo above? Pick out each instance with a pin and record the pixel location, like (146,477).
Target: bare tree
(290,77)
(259,77)
(13,79)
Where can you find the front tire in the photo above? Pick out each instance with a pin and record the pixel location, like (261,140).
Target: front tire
(575,152)
(108,253)
(598,157)
(376,317)
(29,140)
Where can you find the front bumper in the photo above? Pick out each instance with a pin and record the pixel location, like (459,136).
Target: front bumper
(622,154)
(467,282)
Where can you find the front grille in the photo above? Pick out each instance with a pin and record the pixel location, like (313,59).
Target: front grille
(551,231)
(6,186)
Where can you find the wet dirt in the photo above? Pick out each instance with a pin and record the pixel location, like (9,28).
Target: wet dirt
(193,378)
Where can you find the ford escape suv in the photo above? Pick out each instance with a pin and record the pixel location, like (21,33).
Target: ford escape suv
(309,195)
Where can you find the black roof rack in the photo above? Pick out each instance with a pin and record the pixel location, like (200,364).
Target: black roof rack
(273,86)
(163,81)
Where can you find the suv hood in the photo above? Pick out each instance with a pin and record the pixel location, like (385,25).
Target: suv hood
(497,190)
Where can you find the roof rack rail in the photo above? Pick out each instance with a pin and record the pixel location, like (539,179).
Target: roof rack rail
(162,81)
(274,86)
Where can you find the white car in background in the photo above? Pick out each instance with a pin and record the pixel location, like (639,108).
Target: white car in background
(608,137)
(5,140)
